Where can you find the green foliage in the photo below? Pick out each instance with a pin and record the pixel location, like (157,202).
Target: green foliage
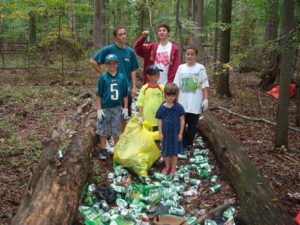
(96,173)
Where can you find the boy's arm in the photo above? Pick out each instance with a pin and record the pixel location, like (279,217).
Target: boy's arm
(182,121)
(133,80)
(98,100)
(139,46)
(161,136)
(141,111)
(125,100)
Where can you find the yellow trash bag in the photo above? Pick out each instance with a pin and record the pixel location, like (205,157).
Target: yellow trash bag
(136,148)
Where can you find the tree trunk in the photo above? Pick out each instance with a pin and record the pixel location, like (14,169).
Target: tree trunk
(32,27)
(298,104)
(72,20)
(53,191)
(254,193)
(272,20)
(216,39)
(281,133)
(179,29)
(223,77)
(198,18)
(98,24)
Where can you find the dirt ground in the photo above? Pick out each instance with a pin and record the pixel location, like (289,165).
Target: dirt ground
(31,107)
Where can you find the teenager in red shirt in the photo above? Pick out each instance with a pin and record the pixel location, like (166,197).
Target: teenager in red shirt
(163,54)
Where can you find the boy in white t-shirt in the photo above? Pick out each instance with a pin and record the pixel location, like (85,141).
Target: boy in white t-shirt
(163,54)
(192,80)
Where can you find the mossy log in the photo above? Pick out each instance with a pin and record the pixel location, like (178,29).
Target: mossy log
(53,191)
(259,205)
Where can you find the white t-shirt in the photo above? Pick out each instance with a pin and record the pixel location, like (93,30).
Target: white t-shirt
(162,61)
(191,80)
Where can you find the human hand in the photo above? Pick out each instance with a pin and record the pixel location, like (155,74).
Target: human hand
(140,120)
(145,33)
(161,137)
(100,114)
(133,92)
(179,137)
(204,105)
(125,113)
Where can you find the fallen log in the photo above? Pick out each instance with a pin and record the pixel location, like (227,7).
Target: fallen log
(259,205)
(53,191)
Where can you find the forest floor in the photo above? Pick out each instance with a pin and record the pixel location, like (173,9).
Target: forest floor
(31,107)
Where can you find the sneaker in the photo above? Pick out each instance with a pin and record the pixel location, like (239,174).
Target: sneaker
(103,154)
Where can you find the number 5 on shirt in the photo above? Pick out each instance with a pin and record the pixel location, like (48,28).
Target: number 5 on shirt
(114,92)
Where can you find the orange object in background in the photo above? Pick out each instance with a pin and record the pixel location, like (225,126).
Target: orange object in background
(274,92)
(297,219)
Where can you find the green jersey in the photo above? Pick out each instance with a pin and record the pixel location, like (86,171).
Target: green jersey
(112,90)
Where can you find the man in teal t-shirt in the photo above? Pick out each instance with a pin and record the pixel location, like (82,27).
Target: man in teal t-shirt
(127,60)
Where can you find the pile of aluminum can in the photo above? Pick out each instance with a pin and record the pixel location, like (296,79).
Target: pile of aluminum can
(137,200)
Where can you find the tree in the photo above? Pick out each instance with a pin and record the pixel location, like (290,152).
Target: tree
(287,54)
(197,15)
(216,39)
(179,29)
(223,70)
(72,20)
(272,68)
(32,26)
(98,26)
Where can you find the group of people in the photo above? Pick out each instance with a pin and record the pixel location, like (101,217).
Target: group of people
(171,99)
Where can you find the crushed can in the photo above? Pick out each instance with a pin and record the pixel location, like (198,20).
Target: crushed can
(215,188)
(178,211)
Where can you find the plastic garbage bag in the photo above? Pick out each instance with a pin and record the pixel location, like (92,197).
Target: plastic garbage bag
(106,193)
(136,148)
(274,92)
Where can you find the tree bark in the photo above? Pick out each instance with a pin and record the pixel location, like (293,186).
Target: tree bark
(179,29)
(281,133)
(216,39)
(298,104)
(223,77)
(53,191)
(272,19)
(72,20)
(258,205)
(98,35)
(198,18)
(32,27)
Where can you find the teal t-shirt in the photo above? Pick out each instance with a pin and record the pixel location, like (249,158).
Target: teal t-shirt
(127,59)
(112,90)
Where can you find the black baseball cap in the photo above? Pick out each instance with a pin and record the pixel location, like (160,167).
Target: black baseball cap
(152,70)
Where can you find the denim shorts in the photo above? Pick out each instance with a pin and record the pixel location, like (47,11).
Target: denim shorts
(111,122)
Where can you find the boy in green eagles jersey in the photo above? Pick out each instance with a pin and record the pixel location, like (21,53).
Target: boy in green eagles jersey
(111,95)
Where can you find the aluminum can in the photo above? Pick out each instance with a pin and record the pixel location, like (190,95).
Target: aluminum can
(182,156)
(214,179)
(179,211)
(195,182)
(119,189)
(215,188)
(203,174)
(110,177)
(104,205)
